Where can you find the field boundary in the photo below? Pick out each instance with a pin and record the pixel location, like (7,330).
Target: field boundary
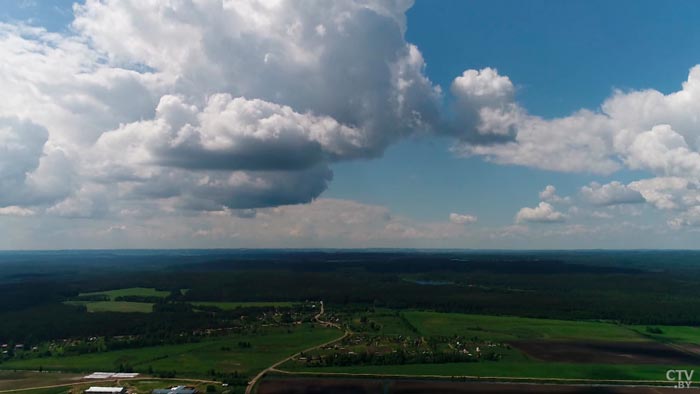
(476,378)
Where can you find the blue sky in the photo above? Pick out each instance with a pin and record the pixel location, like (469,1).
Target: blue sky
(562,56)
(200,125)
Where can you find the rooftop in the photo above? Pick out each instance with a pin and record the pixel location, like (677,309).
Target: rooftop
(98,389)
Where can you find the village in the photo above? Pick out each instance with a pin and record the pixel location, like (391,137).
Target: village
(372,349)
(241,321)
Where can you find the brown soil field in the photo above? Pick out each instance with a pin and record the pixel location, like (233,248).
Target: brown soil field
(417,387)
(320,386)
(606,352)
(367,386)
(10,380)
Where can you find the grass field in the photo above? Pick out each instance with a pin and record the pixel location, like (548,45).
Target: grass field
(677,334)
(114,306)
(51,390)
(235,305)
(193,359)
(504,328)
(515,364)
(121,306)
(389,321)
(131,291)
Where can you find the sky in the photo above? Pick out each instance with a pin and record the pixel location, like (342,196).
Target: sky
(350,124)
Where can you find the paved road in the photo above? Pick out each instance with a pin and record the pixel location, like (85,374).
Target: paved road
(273,367)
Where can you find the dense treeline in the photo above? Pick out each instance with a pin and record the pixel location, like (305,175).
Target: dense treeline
(616,286)
(169,323)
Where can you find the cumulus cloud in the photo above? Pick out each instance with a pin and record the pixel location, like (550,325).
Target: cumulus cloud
(30,171)
(542,213)
(458,218)
(663,151)
(668,193)
(613,193)
(360,71)
(21,147)
(203,105)
(143,109)
(486,110)
(549,194)
(232,134)
(640,129)
(578,143)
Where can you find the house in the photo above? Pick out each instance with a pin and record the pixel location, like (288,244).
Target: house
(176,390)
(105,390)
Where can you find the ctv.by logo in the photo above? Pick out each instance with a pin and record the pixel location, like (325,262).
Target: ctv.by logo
(682,377)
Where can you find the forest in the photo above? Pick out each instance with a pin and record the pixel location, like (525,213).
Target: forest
(634,287)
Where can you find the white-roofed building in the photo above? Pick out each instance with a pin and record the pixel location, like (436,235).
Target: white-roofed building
(106,390)
(122,375)
(99,375)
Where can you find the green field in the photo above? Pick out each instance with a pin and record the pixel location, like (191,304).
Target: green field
(515,364)
(389,322)
(235,305)
(678,334)
(193,359)
(504,328)
(50,390)
(120,306)
(114,306)
(131,291)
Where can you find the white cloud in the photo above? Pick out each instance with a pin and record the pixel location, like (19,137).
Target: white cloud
(156,111)
(485,107)
(14,210)
(486,87)
(21,147)
(542,213)
(458,218)
(549,194)
(689,218)
(579,143)
(663,151)
(613,193)
(323,222)
(204,105)
(233,134)
(641,129)
(667,192)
